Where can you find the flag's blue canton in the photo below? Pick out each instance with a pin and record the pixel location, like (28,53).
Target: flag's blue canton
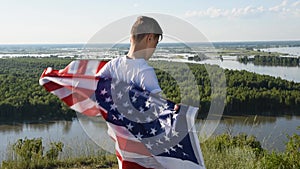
(149,118)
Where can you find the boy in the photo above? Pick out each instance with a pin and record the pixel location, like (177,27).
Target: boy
(133,68)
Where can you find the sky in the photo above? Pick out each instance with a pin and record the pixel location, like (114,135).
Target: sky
(76,21)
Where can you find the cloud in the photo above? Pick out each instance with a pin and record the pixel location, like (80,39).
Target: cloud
(284,8)
(296,4)
(213,12)
(247,11)
(279,7)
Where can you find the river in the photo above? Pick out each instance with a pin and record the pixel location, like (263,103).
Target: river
(270,131)
(69,132)
(287,73)
(229,62)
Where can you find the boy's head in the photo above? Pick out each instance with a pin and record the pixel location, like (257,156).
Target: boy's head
(145,35)
(144,26)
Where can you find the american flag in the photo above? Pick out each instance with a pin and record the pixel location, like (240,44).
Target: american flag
(147,131)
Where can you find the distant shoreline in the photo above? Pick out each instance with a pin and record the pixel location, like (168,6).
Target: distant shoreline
(165,43)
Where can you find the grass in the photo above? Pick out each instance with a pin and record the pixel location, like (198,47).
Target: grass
(89,162)
(219,152)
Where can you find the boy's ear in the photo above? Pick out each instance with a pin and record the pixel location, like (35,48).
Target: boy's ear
(131,39)
(150,36)
(147,38)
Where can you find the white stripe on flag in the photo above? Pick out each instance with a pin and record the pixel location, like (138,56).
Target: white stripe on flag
(62,92)
(43,81)
(91,68)
(129,155)
(73,67)
(191,114)
(83,105)
(190,117)
(121,132)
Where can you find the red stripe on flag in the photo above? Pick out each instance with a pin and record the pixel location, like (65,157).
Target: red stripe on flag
(132,165)
(103,113)
(65,70)
(51,86)
(82,91)
(73,99)
(49,72)
(132,146)
(101,64)
(94,111)
(129,164)
(82,66)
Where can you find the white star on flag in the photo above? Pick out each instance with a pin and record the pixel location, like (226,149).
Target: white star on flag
(139,136)
(119,95)
(166,106)
(133,99)
(180,146)
(148,119)
(185,154)
(129,126)
(159,141)
(125,104)
(103,92)
(138,120)
(172,149)
(147,103)
(112,86)
(121,117)
(153,131)
(129,111)
(113,107)
(155,113)
(161,109)
(142,110)
(108,99)
(149,145)
(166,138)
(175,133)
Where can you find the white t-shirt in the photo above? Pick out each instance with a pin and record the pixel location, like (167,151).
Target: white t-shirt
(135,71)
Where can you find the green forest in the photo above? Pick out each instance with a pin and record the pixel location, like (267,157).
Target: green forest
(22,98)
(270,60)
(246,93)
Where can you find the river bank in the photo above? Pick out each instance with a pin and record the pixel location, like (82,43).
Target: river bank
(222,151)
(77,134)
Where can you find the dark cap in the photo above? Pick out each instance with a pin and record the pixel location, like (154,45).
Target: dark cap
(145,24)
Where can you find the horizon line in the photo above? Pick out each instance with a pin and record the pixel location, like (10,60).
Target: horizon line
(109,43)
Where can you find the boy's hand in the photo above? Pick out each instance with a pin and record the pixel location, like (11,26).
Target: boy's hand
(176,107)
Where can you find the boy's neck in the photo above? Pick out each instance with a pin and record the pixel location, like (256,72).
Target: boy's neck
(135,53)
